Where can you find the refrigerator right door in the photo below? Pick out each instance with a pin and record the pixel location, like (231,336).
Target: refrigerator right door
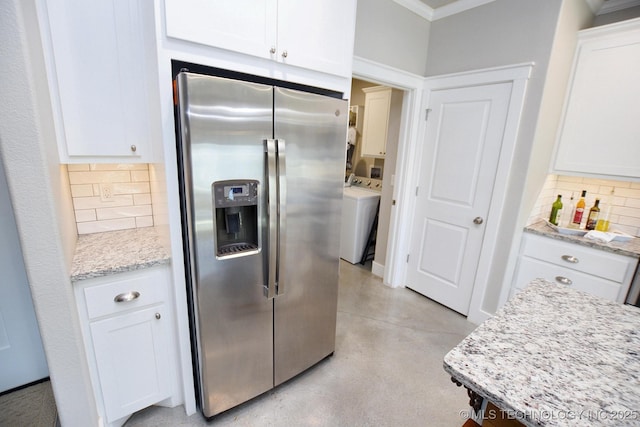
(312,130)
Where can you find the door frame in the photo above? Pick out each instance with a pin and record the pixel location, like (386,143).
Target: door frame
(399,233)
(416,96)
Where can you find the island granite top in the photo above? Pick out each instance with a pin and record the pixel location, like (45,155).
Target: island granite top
(630,248)
(555,356)
(102,254)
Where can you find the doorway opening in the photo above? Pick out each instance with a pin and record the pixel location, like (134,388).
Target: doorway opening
(372,148)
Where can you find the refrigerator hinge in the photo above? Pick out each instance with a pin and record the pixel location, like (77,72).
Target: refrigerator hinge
(426,114)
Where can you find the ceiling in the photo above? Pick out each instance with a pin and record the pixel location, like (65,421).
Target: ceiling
(436,9)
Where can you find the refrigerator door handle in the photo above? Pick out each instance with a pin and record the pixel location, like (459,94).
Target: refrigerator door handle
(272,212)
(282,215)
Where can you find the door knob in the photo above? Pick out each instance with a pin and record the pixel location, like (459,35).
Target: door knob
(478,220)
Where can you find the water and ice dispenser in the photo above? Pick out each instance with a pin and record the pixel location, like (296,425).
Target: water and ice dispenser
(236,217)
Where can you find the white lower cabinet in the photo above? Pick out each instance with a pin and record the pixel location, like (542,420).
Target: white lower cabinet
(127,327)
(604,274)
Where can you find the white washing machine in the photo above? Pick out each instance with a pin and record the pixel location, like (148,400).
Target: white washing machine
(359,208)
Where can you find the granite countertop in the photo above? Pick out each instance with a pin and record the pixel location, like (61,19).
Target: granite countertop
(102,254)
(630,248)
(555,356)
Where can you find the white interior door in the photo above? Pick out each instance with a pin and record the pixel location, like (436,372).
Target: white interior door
(21,354)
(458,165)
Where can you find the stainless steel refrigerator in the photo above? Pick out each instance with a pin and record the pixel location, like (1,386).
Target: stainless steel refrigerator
(262,174)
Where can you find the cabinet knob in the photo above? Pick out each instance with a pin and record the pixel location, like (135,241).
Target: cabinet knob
(284,54)
(272,50)
(134,148)
(564,280)
(570,258)
(478,220)
(158,316)
(126,296)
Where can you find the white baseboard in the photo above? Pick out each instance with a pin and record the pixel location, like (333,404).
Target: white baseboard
(377,269)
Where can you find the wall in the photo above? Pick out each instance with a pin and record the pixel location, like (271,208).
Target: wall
(617,16)
(507,32)
(19,334)
(42,207)
(625,203)
(390,34)
(129,205)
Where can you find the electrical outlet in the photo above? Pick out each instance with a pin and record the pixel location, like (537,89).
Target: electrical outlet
(106,192)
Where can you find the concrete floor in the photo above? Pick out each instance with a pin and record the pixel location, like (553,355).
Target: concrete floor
(386,370)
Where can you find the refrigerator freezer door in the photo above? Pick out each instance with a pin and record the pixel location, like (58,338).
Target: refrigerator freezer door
(224,125)
(314,128)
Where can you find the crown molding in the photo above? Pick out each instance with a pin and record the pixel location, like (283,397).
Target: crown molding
(430,14)
(594,5)
(457,7)
(418,8)
(615,5)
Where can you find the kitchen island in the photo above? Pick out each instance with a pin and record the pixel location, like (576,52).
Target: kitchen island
(554,356)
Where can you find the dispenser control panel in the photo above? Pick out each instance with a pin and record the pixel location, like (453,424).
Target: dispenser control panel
(235,193)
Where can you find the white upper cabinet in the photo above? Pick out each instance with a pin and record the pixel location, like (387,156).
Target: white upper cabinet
(313,35)
(98,55)
(600,132)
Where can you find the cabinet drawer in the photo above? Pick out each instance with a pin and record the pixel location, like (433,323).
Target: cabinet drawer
(530,269)
(145,288)
(580,258)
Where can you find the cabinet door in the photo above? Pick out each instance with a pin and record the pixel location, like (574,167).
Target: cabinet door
(98,79)
(246,26)
(132,360)
(600,131)
(317,35)
(376,123)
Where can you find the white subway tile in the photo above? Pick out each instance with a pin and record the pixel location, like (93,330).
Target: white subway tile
(99,177)
(118,166)
(81,190)
(628,192)
(84,215)
(109,225)
(633,231)
(606,182)
(77,167)
(144,221)
(567,178)
(123,212)
(95,202)
(131,188)
(142,199)
(629,220)
(140,175)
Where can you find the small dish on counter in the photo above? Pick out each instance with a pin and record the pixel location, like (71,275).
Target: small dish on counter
(616,235)
(567,231)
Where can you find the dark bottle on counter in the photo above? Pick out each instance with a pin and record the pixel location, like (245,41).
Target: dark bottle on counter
(577,217)
(592,219)
(556,211)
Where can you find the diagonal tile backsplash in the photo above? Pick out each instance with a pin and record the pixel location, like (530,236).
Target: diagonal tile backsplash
(109,197)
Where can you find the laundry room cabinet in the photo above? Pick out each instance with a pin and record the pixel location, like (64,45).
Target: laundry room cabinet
(128,333)
(313,35)
(600,127)
(100,59)
(379,102)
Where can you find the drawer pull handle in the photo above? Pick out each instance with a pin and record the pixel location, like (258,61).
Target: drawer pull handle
(564,280)
(126,296)
(570,258)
